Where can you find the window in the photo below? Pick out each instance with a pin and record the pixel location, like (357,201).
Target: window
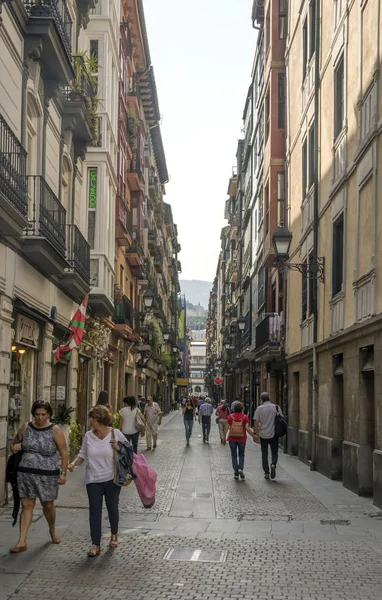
(304,48)
(280,196)
(304,296)
(261,289)
(304,168)
(92,205)
(268,29)
(281,103)
(311,286)
(283,7)
(312,28)
(311,156)
(339,98)
(338,255)
(266,207)
(339,5)
(267,115)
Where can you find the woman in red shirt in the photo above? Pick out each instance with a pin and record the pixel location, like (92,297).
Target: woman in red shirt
(237,436)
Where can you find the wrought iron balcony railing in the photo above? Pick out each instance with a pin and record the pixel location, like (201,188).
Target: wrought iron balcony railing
(123,314)
(78,252)
(13,164)
(48,215)
(268,331)
(56,10)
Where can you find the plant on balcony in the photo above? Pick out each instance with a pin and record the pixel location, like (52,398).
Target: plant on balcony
(166,359)
(96,338)
(85,84)
(155,333)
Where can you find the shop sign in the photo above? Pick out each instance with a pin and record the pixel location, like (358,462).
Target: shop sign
(27,332)
(182,382)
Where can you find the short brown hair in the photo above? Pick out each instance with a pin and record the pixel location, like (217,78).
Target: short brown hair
(238,407)
(41,404)
(101,414)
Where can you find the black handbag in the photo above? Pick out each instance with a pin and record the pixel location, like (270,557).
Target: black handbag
(281,426)
(11,478)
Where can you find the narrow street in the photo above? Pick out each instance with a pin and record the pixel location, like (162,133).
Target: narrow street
(208,536)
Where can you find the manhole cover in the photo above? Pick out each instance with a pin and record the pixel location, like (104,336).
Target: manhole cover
(195,555)
(194,495)
(334,522)
(264,517)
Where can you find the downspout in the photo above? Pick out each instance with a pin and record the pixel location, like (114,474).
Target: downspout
(315,236)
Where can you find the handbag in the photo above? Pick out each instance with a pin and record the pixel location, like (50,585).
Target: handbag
(139,424)
(281,426)
(128,476)
(217,420)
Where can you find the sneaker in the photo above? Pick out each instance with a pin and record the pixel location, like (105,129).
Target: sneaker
(236,476)
(154,446)
(188,443)
(273,471)
(266,475)
(242,476)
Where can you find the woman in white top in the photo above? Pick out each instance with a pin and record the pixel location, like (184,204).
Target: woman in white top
(97,449)
(128,415)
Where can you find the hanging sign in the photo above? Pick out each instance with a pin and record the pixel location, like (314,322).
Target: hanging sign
(27,332)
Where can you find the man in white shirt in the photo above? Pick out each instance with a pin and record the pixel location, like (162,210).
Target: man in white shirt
(153,416)
(265,423)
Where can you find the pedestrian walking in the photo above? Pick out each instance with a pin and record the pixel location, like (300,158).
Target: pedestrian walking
(141,403)
(129,414)
(188,418)
(222,413)
(237,399)
(39,473)
(97,449)
(103,400)
(238,424)
(264,424)
(153,416)
(205,412)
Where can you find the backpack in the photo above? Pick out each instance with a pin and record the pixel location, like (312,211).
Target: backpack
(236,428)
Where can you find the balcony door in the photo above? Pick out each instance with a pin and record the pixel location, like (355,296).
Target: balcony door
(33,148)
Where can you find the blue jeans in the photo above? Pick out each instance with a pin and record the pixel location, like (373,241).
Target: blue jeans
(188,425)
(237,448)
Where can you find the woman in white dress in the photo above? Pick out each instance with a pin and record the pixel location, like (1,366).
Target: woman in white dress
(128,425)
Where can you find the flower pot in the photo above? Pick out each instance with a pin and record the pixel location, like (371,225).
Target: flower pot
(65,431)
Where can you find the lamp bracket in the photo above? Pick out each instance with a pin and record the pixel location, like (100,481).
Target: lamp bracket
(311,269)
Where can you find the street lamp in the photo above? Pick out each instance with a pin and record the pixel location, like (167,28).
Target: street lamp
(148,299)
(241,322)
(227,344)
(166,335)
(313,268)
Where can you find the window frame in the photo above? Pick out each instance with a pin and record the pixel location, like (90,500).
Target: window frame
(339,108)
(338,254)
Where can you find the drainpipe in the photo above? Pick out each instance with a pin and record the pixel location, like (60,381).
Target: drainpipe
(315,236)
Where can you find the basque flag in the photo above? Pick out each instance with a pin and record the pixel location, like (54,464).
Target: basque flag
(76,328)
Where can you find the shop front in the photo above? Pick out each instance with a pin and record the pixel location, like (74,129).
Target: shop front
(26,346)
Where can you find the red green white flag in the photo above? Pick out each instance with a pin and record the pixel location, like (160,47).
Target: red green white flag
(76,328)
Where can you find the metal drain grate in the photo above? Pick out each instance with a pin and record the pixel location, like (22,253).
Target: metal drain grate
(265,517)
(194,495)
(196,555)
(334,522)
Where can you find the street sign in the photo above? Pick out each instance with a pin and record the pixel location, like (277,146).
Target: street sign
(217,380)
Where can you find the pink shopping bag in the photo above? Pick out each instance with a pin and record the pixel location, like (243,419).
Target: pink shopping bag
(145,481)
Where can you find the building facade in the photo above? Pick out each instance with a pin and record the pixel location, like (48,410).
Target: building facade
(333,157)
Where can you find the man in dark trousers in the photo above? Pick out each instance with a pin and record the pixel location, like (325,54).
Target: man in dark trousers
(265,425)
(205,412)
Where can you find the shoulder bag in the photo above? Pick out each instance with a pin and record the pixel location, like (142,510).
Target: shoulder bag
(116,479)
(139,424)
(281,425)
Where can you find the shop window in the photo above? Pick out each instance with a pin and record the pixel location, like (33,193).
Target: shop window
(22,388)
(59,385)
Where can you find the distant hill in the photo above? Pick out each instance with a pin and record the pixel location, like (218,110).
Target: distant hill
(196,291)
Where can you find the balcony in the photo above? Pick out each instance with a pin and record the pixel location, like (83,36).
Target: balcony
(133,256)
(268,337)
(101,298)
(153,187)
(76,278)
(134,96)
(13,183)
(134,173)
(152,240)
(50,22)
(158,263)
(122,222)
(44,241)
(80,104)
(123,316)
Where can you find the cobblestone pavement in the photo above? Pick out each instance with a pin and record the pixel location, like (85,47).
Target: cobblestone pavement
(301,537)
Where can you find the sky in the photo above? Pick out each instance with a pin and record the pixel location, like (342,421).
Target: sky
(202,53)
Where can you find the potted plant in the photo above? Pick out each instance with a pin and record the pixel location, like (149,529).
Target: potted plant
(62,418)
